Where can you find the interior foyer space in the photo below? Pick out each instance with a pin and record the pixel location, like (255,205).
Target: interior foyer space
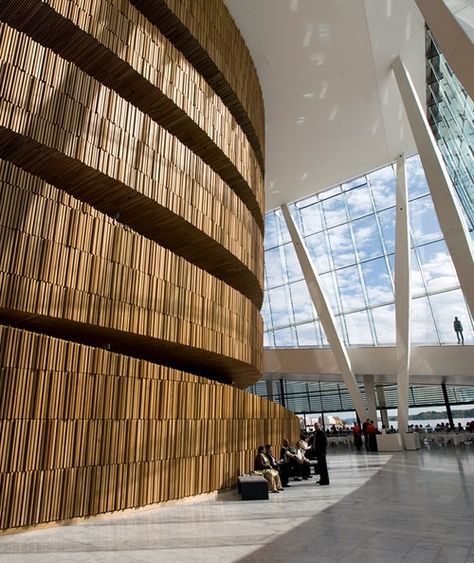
(413,507)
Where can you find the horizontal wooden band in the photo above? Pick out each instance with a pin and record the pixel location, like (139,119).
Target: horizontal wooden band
(50,28)
(144,215)
(87,431)
(212,36)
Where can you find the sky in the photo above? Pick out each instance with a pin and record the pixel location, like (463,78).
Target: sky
(349,232)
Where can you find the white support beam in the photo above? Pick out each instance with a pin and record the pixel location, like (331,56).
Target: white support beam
(369,387)
(383,404)
(402,296)
(325,315)
(445,201)
(452,26)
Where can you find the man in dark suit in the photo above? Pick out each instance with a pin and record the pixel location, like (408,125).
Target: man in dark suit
(319,446)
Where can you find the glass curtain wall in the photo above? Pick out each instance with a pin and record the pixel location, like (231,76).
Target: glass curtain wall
(349,231)
(321,397)
(451,117)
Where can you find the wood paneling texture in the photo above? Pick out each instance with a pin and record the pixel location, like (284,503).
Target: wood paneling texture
(77,134)
(82,269)
(86,431)
(128,54)
(206,42)
(131,263)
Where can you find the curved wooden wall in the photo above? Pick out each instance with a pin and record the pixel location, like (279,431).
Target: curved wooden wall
(131,220)
(86,431)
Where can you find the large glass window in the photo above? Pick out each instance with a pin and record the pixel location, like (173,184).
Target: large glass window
(349,232)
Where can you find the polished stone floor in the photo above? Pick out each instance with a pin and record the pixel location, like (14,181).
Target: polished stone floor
(414,507)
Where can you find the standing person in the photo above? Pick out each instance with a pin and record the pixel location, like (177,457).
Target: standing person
(357,433)
(458,330)
(366,435)
(320,443)
(372,436)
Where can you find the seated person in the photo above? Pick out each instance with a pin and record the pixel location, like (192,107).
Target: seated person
(263,466)
(282,468)
(302,459)
(288,455)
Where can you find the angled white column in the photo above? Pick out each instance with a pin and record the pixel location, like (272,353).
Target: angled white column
(369,386)
(446,204)
(452,25)
(325,316)
(383,403)
(402,296)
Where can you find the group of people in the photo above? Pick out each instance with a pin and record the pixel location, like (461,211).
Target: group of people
(369,432)
(294,461)
(442,427)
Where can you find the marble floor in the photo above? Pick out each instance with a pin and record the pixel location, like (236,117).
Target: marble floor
(414,507)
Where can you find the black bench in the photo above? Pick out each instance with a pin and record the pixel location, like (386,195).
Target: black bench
(253,487)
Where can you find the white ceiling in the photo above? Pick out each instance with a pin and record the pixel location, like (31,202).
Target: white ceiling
(332,106)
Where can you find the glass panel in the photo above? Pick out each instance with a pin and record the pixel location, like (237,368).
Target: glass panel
(268,341)
(303,309)
(273,267)
(280,306)
(318,251)
(283,234)
(271,230)
(350,289)
(285,338)
(311,218)
(377,282)
(422,325)
(266,311)
(383,185)
(307,335)
(293,268)
(387,223)
(367,237)
(423,221)
(354,183)
(417,284)
(335,210)
(329,193)
(341,245)
(359,202)
(358,329)
(329,289)
(446,306)
(416,180)
(384,323)
(437,266)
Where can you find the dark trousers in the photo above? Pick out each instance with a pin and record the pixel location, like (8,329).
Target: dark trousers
(285,472)
(323,468)
(358,441)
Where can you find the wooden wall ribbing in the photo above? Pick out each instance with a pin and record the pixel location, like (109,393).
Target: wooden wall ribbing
(128,54)
(206,43)
(81,266)
(86,431)
(82,133)
(131,258)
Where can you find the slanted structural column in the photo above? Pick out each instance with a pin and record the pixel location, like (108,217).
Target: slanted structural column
(402,296)
(325,316)
(447,207)
(369,387)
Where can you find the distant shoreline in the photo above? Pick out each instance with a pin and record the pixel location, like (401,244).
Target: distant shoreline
(437,415)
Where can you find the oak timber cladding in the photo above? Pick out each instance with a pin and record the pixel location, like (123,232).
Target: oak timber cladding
(131,218)
(86,431)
